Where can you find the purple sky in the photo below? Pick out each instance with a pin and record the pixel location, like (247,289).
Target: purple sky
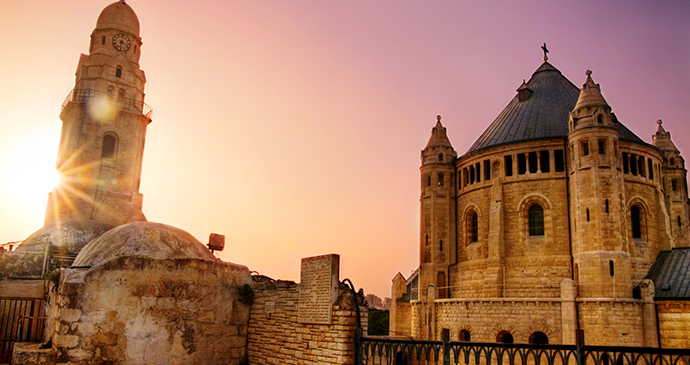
(295,127)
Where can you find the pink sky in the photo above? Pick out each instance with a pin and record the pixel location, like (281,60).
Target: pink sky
(295,127)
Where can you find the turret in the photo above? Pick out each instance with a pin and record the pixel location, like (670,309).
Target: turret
(437,232)
(104,127)
(674,184)
(600,254)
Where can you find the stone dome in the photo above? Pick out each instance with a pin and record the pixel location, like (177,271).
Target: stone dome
(70,236)
(119,16)
(143,239)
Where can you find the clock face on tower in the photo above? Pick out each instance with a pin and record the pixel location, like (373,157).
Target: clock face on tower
(121,42)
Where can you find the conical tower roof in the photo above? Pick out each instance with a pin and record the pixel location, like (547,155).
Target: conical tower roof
(438,138)
(540,114)
(662,139)
(590,94)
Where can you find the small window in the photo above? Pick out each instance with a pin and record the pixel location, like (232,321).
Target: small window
(440,245)
(636,223)
(612,271)
(427,240)
(102,40)
(533,162)
(473,227)
(504,337)
(478,167)
(536,220)
(522,164)
(600,119)
(135,48)
(440,157)
(585,149)
(560,161)
(633,164)
(118,71)
(440,179)
(509,165)
(465,336)
(466,177)
(487,170)
(602,146)
(539,338)
(672,161)
(679,222)
(108,149)
(606,203)
(640,166)
(472,179)
(587,214)
(674,184)
(428,180)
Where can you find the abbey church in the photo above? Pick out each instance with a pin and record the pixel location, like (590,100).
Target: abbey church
(558,218)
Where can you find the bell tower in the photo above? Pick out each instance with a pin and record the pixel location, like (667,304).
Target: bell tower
(104,121)
(601,258)
(437,222)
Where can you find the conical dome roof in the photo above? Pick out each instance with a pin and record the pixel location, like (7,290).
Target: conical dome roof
(119,16)
(590,94)
(439,137)
(541,113)
(662,139)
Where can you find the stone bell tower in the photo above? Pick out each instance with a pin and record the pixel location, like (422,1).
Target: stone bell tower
(437,223)
(601,259)
(104,121)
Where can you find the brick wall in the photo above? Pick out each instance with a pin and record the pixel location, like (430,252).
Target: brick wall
(278,338)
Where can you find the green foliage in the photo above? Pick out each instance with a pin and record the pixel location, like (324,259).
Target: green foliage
(53,276)
(378,322)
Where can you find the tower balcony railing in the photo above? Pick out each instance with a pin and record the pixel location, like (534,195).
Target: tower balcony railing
(88,96)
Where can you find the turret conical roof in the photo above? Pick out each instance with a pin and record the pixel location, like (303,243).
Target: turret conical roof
(438,138)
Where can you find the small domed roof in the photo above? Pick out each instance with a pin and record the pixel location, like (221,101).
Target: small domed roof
(143,239)
(119,16)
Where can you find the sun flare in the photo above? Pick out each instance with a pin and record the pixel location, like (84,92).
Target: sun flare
(30,172)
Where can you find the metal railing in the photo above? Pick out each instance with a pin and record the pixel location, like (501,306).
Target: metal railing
(375,351)
(88,96)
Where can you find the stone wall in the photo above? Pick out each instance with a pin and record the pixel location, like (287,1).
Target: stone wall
(145,311)
(611,322)
(277,337)
(674,324)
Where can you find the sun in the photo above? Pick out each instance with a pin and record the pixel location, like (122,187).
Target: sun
(30,172)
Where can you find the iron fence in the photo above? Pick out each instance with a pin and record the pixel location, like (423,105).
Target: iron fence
(390,351)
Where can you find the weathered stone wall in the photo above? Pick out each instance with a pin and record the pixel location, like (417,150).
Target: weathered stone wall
(144,311)
(276,336)
(612,322)
(674,324)
(484,319)
(402,319)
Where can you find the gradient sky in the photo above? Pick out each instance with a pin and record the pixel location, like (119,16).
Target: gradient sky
(295,127)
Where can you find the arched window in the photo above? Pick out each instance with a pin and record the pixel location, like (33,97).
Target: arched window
(504,337)
(536,220)
(473,227)
(636,223)
(539,338)
(600,119)
(440,157)
(109,144)
(118,71)
(464,336)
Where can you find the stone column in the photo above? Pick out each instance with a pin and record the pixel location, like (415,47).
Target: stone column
(649,314)
(431,312)
(568,311)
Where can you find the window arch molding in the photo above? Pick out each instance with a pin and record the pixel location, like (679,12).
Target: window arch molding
(469,210)
(641,204)
(109,146)
(523,208)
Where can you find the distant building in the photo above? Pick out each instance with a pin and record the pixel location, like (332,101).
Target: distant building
(550,223)
(375,302)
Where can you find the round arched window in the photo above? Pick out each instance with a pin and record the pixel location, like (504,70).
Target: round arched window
(536,220)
